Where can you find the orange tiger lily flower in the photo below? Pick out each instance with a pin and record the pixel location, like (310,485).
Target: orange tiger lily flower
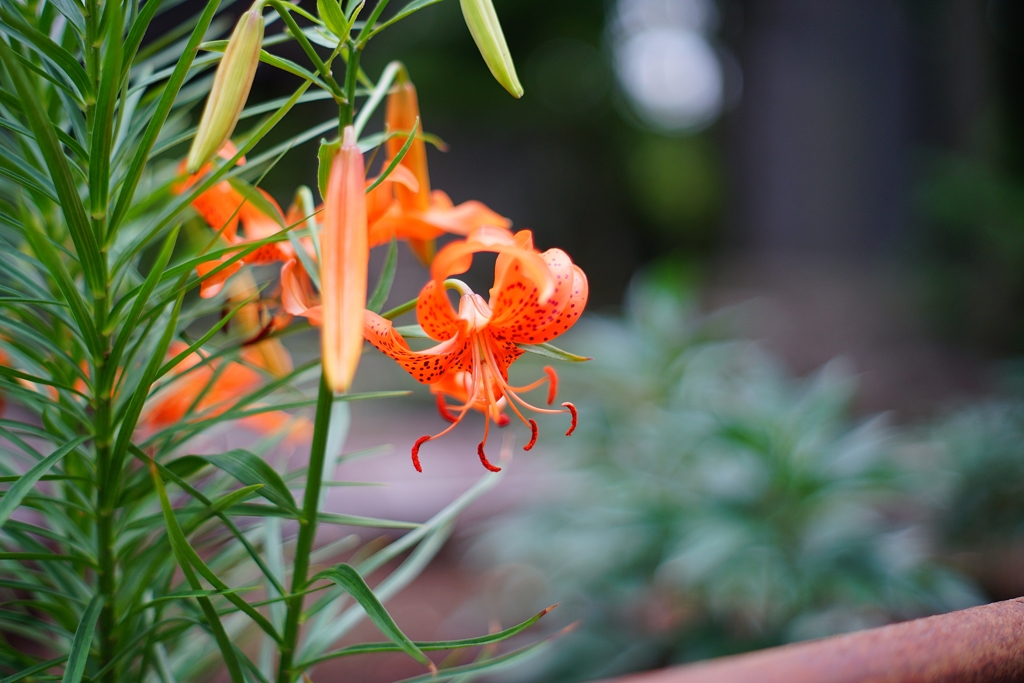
(536,297)
(224,208)
(212,390)
(345,257)
(415,213)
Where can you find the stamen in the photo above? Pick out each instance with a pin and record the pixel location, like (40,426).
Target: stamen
(416,452)
(533,436)
(484,460)
(552,383)
(502,420)
(575,417)
(442,408)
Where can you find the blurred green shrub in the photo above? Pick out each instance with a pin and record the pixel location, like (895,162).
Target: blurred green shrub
(972,252)
(713,504)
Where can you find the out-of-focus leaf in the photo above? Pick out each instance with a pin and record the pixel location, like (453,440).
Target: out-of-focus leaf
(79,654)
(250,469)
(13,496)
(551,351)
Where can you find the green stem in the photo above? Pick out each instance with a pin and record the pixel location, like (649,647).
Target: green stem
(348,110)
(307,47)
(106,574)
(307,533)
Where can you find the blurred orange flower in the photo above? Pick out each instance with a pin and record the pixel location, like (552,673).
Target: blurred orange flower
(536,297)
(199,393)
(224,208)
(414,212)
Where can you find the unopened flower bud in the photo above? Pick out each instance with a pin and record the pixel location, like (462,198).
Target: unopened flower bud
(402,113)
(483,24)
(230,89)
(345,254)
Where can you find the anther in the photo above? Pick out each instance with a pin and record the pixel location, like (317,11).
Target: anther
(533,436)
(502,420)
(416,452)
(575,417)
(442,408)
(552,383)
(484,460)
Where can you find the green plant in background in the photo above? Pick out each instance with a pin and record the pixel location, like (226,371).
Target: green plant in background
(716,505)
(124,554)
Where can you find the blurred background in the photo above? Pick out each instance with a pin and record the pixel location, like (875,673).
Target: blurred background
(803,226)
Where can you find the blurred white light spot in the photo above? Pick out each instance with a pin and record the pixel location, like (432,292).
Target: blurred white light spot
(666,63)
(694,15)
(673,77)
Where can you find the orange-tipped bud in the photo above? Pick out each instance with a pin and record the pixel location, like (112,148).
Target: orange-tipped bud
(402,111)
(345,253)
(483,24)
(230,90)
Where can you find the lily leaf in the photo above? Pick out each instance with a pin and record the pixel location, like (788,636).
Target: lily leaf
(352,583)
(549,351)
(249,469)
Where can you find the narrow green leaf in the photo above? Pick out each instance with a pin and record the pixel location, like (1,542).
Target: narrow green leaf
(387,77)
(79,654)
(186,554)
(178,545)
(366,648)
(47,254)
(259,202)
(63,59)
(387,278)
(549,351)
(483,666)
(46,557)
(26,176)
(332,16)
(32,670)
(73,11)
(156,123)
(254,510)
(177,474)
(142,297)
(138,399)
(101,135)
(136,33)
(349,580)
(248,468)
(67,190)
(14,495)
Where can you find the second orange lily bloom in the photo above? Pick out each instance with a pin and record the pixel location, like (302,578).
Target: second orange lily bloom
(535,298)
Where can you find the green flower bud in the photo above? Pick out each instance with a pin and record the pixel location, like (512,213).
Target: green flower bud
(483,24)
(230,90)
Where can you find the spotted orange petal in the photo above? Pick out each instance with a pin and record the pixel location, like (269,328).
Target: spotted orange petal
(425,366)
